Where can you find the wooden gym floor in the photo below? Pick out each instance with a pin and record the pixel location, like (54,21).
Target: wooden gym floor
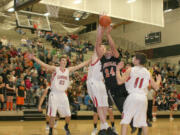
(80,127)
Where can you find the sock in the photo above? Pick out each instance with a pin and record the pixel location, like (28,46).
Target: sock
(112,124)
(104,126)
(95,125)
(50,130)
(11,105)
(7,105)
(66,126)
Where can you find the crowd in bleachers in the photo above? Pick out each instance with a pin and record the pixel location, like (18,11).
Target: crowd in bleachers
(22,80)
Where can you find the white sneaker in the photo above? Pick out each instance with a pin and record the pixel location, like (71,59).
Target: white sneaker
(55,124)
(114,130)
(94,132)
(154,118)
(171,118)
(47,127)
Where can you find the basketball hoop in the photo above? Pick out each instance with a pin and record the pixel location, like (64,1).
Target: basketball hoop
(53,10)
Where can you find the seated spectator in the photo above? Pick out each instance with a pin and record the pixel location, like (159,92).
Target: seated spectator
(88,102)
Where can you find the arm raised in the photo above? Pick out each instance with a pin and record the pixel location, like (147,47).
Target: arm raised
(111,42)
(44,65)
(72,69)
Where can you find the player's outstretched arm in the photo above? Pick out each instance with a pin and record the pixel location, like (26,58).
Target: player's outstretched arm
(100,32)
(72,69)
(44,65)
(122,78)
(111,42)
(156,84)
(42,99)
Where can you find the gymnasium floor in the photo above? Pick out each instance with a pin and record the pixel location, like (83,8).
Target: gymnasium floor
(80,127)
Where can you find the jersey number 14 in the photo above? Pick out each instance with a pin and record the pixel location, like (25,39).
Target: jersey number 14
(112,73)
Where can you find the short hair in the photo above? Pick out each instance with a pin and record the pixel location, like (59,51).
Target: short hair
(63,57)
(141,57)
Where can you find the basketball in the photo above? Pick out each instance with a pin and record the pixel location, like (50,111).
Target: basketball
(105,21)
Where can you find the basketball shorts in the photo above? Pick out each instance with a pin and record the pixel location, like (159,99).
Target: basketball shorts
(97,92)
(58,102)
(135,107)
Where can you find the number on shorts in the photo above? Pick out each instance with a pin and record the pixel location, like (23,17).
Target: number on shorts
(136,82)
(61,82)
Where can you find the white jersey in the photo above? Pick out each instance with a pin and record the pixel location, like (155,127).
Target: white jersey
(94,71)
(138,81)
(60,80)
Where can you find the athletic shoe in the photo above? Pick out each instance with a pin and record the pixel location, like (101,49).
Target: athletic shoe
(154,118)
(139,133)
(110,132)
(114,130)
(133,130)
(67,131)
(149,124)
(55,124)
(94,132)
(171,118)
(47,127)
(102,132)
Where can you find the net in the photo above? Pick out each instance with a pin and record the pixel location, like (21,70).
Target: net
(53,10)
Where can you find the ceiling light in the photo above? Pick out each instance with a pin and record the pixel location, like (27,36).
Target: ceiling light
(47,14)
(167,10)
(131,1)
(77,1)
(11,10)
(77,19)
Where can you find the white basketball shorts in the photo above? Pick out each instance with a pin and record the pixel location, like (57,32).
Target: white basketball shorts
(135,107)
(97,92)
(58,102)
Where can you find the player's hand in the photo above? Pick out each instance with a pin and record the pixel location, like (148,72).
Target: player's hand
(158,77)
(120,65)
(39,109)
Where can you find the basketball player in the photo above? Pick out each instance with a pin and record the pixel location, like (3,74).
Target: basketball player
(58,100)
(46,95)
(136,80)
(96,87)
(109,60)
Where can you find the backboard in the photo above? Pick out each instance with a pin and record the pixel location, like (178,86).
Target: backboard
(32,20)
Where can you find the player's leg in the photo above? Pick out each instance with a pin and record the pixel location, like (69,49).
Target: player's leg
(64,111)
(124,129)
(145,130)
(119,102)
(129,110)
(52,110)
(51,124)
(56,120)
(111,115)
(95,120)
